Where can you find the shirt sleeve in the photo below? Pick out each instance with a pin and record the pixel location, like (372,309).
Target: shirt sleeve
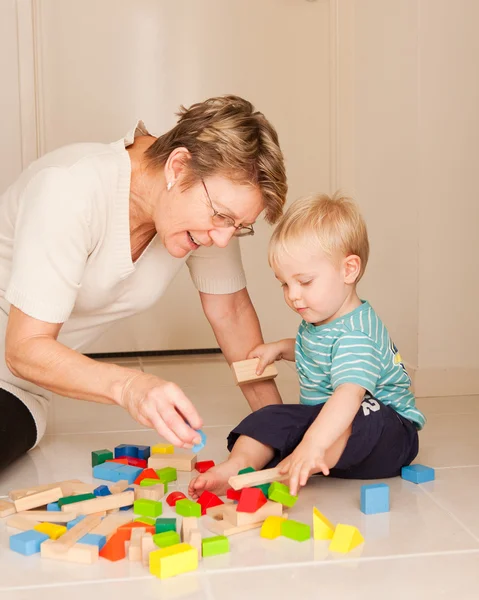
(216,270)
(355,359)
(51,246)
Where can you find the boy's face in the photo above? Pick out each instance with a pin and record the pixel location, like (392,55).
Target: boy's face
(314,287)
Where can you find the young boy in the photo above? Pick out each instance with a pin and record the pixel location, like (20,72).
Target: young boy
(356,418)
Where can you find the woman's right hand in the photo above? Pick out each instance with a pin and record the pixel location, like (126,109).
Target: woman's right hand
(161,405)
(267,354)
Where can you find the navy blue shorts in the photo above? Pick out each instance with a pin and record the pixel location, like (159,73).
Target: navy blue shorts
(381,441)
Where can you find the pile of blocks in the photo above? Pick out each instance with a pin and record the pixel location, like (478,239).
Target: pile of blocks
(78,522)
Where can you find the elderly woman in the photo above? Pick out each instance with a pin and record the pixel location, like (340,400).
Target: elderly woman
(92,233)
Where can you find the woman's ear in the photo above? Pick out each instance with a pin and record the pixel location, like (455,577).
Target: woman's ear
(351,268)
(175,164)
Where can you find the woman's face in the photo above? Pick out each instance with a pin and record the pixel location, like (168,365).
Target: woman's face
(184,218)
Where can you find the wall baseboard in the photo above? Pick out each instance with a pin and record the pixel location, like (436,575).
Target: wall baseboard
(454,381)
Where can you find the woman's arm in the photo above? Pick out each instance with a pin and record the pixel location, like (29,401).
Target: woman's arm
(237,330)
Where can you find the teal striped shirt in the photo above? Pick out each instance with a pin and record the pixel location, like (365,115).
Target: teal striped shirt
(355,348)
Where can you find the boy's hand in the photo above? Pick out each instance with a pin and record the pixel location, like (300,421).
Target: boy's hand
(306,459)
(267,354)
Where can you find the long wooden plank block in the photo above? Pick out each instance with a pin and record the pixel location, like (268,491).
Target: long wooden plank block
(238,482)
(85,554)
(22,523)
(38,499)
(7,508)
(111,523)
(52,516)
(69,487)
(88,507)
(68,539)
(180,462)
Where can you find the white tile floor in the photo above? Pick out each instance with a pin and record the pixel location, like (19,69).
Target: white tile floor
(426,547)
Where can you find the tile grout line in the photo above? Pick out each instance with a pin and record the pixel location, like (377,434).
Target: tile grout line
(205,573)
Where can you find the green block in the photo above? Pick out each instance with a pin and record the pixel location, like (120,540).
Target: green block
(147,508)
(98,457)
(278,492)
(167,474)
(163,525)
(294,530)
(166,538)
(264,487)
(247,470)
(188,508)
(72,499)
(215,545)
(145,520)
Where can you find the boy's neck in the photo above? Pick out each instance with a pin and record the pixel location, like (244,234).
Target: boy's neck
(351,302)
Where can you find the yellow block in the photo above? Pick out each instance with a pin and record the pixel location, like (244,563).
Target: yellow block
(173,560)
(271,528)
(163,449)
(51,529)
(323,529)
(345,538)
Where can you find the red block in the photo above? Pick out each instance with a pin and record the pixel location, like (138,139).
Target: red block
(204,465)
(114,549)
(251,500)
(173,498)
(208,500)
(137,462)
(146,474)
(232,494)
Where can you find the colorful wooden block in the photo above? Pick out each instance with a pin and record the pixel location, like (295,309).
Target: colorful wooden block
(51,529)
(418,473)
(71,524)
(101,503)
(374,498)
(188,508)
(93,539)
(167,474)
(144,452)
(251,500)
(163,449)
(146,474)
(27,542)
(278,492)
(98,457)
(129,473)
(114,549)
(163,525)
(213,546)
(294,530)
(323,529)
(166,538)
(271,528)
(102,490)
(126,450)
(173,560)
(345,538)
(154,483)
(73,499)
(173,498)
(119,461)
(204,465)
(208,500)
(147,508)
(53,506)
(201,444)
(244,371)
(232,494)
(146,521)
(127,528)
(108,471)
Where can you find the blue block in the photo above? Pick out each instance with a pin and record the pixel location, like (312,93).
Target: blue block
(128,473)
(418,473)
(144,452)
(126,450)
(102,490)
(374,498)
(53,506)
(202,444)
(75,521)
(107,472)
(27,542)
(93,539)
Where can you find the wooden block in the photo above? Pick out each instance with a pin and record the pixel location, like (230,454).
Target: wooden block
(7,508)
(38,499)
(194,539)
(88,507)
(188,524)
(134,549)
(163,449)
(119,486)
(151,492)
(112,511)
(110,524)
(18,522)
(238,482)
(225,528)
(179,461)
(52,516)
(244,371)
(72,536)
(78,553)
(69,487)
(230,514)
(147,546)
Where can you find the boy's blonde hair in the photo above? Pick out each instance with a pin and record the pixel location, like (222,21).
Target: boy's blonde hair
(333,225)
(227,136)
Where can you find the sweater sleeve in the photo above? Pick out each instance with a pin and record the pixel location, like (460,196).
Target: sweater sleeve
(51,246)
(217,270)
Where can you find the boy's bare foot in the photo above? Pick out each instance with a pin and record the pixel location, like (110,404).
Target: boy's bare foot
(215,480)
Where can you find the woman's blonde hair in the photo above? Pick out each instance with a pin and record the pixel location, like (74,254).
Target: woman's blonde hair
(226,136)
(333,225)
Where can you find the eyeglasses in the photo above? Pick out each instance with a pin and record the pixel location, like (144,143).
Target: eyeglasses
(221,220)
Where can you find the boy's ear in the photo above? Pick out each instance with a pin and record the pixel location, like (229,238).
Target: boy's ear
(351,268)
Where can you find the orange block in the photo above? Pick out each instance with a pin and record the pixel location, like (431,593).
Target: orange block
(123,461)
(114,549)
(127,527)
(146,474)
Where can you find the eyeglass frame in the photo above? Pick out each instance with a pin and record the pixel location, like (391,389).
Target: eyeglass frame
(240,230)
